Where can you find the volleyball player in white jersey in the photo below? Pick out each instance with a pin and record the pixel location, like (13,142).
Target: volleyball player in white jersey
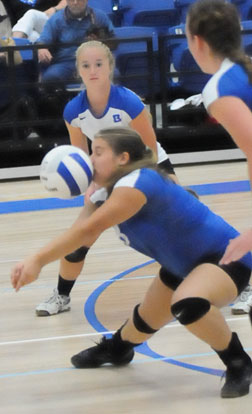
(100,105)
(214,38)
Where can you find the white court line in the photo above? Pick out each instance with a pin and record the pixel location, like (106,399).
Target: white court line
(56,338)
(121,249)
(53,338)
(78,283)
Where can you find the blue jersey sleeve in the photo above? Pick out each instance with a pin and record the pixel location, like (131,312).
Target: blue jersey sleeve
(73,108)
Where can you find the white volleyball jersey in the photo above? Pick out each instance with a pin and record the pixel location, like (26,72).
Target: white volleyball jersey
(230,80)
(123,106)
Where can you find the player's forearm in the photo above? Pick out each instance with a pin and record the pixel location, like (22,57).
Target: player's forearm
(66,243)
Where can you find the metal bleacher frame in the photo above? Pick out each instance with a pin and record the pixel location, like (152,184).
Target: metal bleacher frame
(20,157)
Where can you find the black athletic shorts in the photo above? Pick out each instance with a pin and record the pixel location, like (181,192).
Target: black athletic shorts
(239,273)
(166,166)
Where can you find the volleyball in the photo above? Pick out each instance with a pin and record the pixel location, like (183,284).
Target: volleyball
(66,171)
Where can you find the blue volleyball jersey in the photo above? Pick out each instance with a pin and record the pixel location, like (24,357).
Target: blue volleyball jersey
(123,106)
(173,227)
(230,80)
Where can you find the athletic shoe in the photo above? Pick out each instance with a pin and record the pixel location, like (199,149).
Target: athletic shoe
(243,303)
(55,304)
(105,352)
(238,379)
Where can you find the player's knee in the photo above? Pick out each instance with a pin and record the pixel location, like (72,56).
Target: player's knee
(140,324)
(78,255)
(190,310)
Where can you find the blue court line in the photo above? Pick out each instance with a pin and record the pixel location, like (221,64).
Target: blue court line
(89,312)
(65,369)
(222,188)
(22,206)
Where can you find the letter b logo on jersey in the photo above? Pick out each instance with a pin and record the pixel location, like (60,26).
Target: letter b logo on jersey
(117,118)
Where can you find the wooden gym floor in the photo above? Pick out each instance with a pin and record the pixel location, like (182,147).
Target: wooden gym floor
(174,372)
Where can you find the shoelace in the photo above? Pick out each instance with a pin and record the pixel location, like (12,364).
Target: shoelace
(55,297)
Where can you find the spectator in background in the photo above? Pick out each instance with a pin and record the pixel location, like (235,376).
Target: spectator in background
(69,25)
(31,24)
(5,24)
(17,8)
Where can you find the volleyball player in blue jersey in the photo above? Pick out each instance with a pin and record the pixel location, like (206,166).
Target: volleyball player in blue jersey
(100,105)
(213,32)
(158,218)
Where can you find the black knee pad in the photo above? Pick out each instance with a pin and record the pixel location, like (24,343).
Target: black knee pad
(140,324)
(78,255)
(190,310)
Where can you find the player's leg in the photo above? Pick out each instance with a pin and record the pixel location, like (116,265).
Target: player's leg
(148,317)
(155,310)
(196,305)
(70,268)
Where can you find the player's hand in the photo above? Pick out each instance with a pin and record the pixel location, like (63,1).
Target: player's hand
(25,272)
(238,247)
(91,190)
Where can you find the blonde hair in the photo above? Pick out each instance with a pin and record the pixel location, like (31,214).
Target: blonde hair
(96,44)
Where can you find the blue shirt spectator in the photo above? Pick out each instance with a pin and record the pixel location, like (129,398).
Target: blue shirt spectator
(67,26)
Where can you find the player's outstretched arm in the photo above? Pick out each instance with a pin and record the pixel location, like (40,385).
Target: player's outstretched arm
(122,204)
(77,138)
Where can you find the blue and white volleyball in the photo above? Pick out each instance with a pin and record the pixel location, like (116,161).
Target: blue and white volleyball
(66,171)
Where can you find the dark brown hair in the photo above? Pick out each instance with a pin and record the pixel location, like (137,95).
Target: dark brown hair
(127,140)
(218,23)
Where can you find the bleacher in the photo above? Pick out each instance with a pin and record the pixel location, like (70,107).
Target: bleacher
(152,58)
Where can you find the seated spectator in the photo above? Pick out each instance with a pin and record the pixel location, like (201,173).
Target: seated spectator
(69,25)
(17,8)
(31,24)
